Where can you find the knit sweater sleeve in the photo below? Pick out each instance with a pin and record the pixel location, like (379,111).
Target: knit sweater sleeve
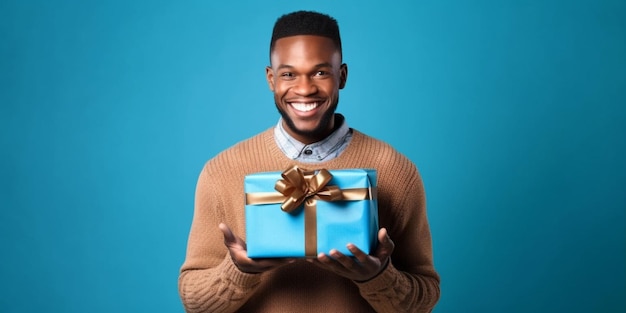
(209,281)
(410,282)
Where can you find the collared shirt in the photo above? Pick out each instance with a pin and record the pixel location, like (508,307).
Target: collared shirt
(320,151)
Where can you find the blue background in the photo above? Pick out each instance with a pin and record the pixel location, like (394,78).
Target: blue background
(514,112)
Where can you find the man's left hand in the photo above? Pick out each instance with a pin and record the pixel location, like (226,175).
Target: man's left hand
(361,267)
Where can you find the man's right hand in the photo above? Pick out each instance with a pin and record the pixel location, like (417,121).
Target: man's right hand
(239,254)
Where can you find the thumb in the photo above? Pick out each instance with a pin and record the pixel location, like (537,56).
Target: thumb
(385,244)
(229,237)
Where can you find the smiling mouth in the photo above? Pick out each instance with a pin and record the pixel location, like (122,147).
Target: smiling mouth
(304,106)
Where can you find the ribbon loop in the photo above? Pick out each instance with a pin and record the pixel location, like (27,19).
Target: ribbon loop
(298,185)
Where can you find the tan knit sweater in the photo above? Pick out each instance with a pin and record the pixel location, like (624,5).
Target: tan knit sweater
(210,282)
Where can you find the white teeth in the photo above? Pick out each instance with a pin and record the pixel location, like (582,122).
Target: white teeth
(304,107)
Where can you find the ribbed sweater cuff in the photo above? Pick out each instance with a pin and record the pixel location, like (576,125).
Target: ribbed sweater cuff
(384,280)
(238,278)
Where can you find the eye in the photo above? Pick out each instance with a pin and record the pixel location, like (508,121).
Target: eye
(287,75)
(321,73)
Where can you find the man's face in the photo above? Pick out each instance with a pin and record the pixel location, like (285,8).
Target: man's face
(305,75)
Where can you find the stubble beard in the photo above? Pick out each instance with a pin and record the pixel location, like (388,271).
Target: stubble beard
(318,132)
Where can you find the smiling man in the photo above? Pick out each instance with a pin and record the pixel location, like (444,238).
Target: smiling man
(305,74)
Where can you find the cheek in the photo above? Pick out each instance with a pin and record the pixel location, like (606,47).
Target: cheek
(280,88)
(330,88)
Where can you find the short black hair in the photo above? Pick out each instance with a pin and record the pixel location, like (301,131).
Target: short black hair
(306,23)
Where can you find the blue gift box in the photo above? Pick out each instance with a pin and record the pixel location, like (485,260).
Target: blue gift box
(318,224)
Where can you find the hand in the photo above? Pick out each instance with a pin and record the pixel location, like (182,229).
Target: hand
(239,254)
(365,267)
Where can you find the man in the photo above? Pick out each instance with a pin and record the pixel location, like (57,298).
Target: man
(305,75)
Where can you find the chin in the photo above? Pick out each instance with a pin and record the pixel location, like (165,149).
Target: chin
(308,129)
(314,131)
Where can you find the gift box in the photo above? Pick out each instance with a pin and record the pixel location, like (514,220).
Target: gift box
(300,213)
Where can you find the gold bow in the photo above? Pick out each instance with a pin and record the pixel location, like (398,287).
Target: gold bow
(299,185)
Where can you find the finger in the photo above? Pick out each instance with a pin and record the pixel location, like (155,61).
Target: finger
(229,237)
(327,262)
(383,235)
(385,244)
(357,253)
(344,260)
(323,258)
(230,240)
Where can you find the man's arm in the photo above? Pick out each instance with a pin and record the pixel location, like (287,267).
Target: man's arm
(217,275)
(209,281)
(386,288)
(409,289)
(222,288)
(409,283)
(399,276)
(227,286)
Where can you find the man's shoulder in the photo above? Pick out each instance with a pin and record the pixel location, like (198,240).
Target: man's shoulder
(380,152)
(370,139)
(369,142)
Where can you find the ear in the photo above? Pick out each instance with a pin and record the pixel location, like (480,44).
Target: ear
(269,75)
(343,75)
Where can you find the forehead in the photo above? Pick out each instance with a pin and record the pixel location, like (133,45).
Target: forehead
(303,48)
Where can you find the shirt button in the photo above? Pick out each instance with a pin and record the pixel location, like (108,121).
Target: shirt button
(308,152)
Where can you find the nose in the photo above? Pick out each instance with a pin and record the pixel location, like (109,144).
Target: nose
(305,86)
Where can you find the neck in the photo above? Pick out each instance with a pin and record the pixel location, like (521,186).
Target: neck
(308,139)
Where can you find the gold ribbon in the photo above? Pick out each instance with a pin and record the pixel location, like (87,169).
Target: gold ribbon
(300,186)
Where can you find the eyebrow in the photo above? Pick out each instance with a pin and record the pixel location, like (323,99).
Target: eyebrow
(287,66)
